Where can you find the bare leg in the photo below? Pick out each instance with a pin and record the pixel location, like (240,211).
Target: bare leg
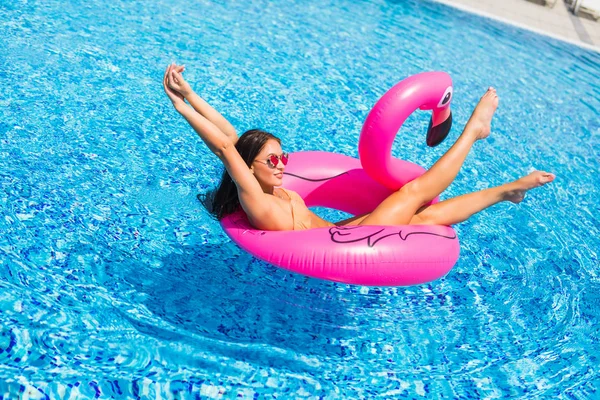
(442,173)
(402,205)
(460,208)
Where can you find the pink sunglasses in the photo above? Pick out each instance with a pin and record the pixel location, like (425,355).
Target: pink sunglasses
(273,160)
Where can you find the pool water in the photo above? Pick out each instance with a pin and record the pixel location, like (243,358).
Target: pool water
(115,282)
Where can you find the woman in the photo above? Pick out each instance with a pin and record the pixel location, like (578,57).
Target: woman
(255,163)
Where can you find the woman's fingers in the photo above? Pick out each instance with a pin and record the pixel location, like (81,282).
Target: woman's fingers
(177,77)
(173,82)
(173,73)
(168,74)
(166,79)
(171,91)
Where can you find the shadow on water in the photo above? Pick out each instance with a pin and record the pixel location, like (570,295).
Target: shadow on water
(219,299)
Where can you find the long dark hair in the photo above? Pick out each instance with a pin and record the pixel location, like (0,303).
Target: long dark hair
(224,199)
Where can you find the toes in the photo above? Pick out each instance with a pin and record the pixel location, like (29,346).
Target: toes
(491,93)
(545,177)
(549,176)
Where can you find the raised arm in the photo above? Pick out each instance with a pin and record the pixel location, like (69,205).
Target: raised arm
(203,108)
(212,136)
(249,190)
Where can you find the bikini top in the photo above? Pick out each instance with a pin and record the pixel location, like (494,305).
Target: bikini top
(301,216)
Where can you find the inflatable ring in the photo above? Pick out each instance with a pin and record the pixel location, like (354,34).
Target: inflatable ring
(362,254)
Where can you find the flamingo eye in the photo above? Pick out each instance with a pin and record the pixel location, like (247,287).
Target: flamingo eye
(446,97)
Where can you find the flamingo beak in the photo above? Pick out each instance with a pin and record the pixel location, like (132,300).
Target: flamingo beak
(439,127)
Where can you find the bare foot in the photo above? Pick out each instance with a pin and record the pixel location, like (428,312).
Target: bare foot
(516,193)
(481,120)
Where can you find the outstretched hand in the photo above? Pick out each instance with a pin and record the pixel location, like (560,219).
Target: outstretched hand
(175,85)
(175,96)
(177,82)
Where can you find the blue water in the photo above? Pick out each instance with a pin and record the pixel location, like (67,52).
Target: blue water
(114,282)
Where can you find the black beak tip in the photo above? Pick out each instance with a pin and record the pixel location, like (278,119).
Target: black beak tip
(437,134)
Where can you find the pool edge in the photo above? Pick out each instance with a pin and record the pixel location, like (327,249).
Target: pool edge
(484,14)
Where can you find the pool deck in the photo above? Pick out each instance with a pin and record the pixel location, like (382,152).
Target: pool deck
(556,21)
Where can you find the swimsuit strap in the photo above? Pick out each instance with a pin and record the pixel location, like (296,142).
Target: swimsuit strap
(291,206)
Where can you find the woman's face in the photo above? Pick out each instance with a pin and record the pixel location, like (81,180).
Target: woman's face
(267,175)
